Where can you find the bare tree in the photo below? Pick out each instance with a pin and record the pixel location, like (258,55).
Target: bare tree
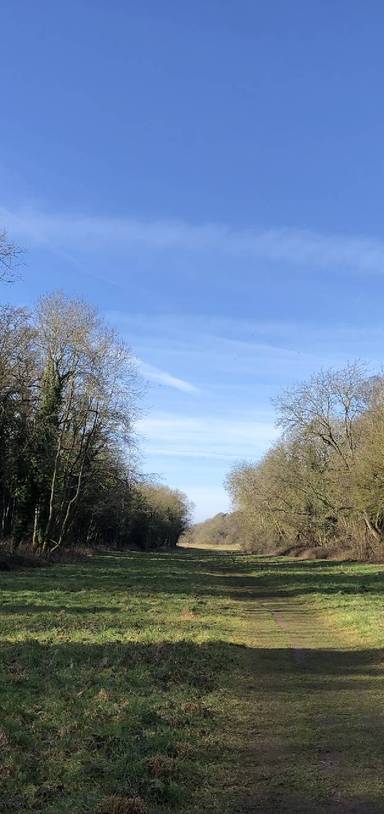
(9,254)
(327,407)
(87,404)
(68,459)
(323,483)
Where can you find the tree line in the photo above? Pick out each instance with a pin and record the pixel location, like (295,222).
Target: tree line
(69,397)
(224,529)
(322,484)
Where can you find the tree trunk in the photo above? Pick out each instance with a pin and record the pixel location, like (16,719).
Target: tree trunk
(372,529)
(35,536)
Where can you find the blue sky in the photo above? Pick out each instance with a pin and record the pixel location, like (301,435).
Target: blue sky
(211,175)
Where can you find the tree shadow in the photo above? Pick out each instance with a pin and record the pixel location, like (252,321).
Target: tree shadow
(79,610)
(313,739)
(238,577)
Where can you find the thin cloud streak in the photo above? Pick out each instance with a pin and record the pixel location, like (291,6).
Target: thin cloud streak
(224,327)
(154,374)
(303,249)
(252,349)
(207,436)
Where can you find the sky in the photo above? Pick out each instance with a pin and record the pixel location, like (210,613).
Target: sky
(210,175)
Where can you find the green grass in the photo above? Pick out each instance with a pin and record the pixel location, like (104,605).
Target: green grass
(195,681)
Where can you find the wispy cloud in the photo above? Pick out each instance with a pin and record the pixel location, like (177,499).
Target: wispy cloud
(154,374)
(208,343)
(207,437)
(303,249)
(229,348)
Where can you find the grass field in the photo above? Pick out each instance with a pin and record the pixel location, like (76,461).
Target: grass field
(192,681)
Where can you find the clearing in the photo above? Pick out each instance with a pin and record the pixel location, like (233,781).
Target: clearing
(192,681)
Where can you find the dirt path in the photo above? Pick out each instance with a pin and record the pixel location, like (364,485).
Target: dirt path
(314,719)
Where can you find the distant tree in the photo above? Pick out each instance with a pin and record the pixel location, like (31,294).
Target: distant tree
(9,254)
(69,392)
(322,484)
(161,515)
(222,529)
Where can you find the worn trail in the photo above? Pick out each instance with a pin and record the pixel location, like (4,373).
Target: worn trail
(196,681)
(314,723)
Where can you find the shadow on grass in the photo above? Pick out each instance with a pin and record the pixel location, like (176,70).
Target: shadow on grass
(29,608)
(237,577)
(85,719)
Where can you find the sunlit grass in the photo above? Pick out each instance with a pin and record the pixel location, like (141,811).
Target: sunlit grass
(190,681)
